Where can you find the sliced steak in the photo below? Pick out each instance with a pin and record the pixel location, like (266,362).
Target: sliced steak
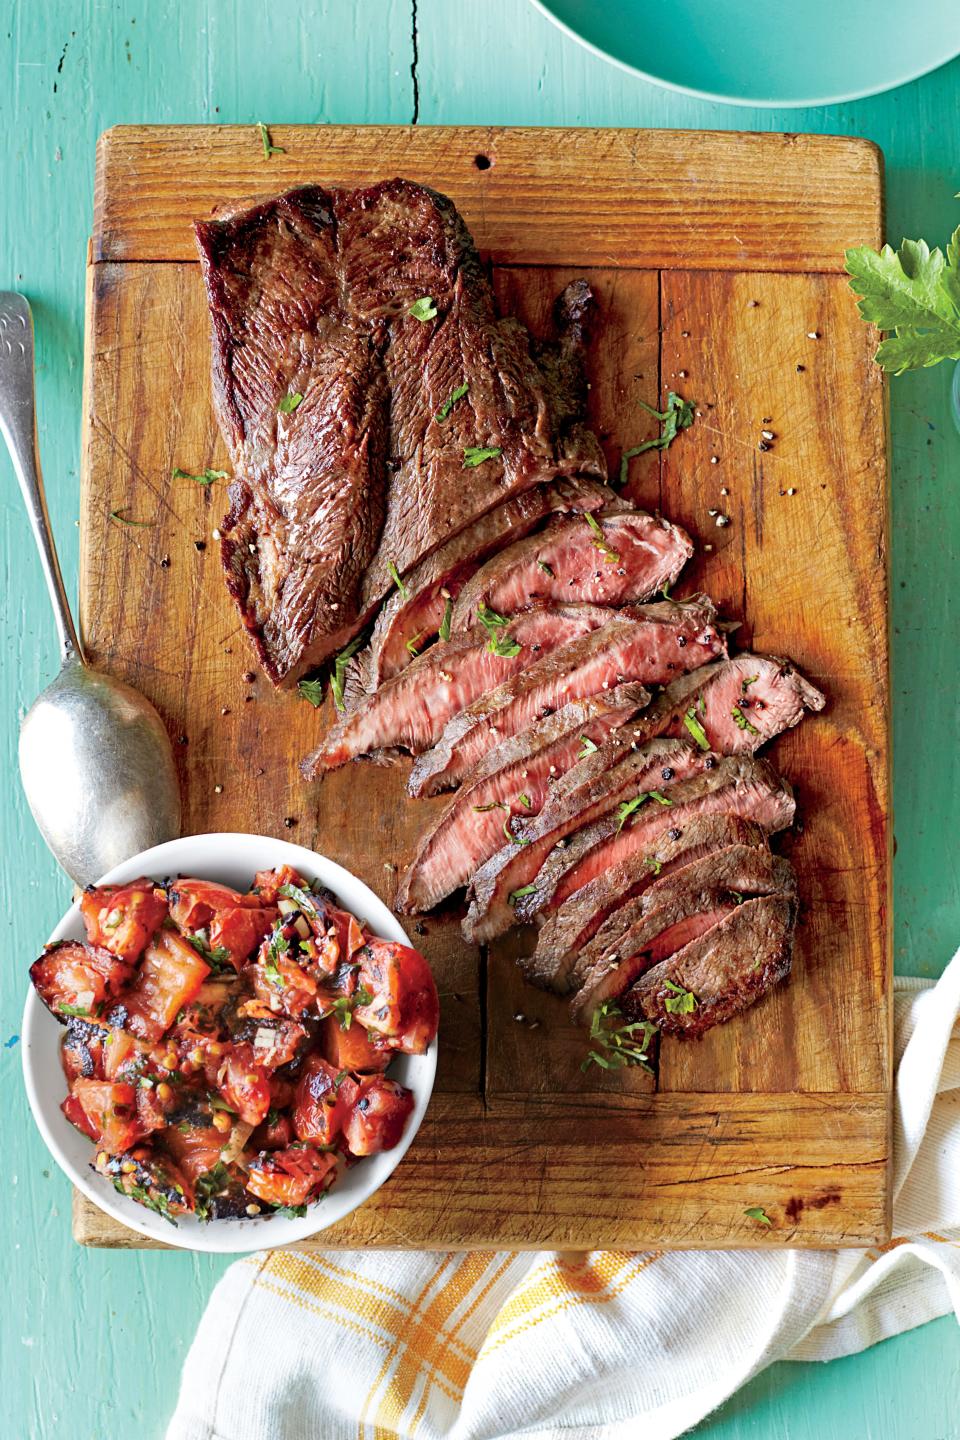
(634,558)
(738,785)
(568,929)
(586,791)
(513,778)
(410,711)
(734,706)
(675,911)
(725,970)
(310,296)
(414,615)
(648,643)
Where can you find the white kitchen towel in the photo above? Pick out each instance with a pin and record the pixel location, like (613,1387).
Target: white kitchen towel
(486,1346)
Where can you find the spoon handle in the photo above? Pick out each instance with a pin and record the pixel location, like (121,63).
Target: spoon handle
(18,424)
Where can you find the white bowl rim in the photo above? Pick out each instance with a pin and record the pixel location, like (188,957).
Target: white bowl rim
(224,851)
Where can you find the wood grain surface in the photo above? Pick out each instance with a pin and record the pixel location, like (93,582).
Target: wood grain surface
(788,1106)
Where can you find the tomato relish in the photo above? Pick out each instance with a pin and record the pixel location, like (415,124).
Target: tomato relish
(224,1051)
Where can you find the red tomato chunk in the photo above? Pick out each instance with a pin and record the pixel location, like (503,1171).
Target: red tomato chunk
(170,975)
(378,1116)
(291,1177)
(78,980)
(123,918)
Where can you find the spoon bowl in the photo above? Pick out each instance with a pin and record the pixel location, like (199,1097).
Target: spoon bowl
(95,760)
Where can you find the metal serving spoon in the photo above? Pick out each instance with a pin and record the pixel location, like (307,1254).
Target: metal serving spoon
(95,760)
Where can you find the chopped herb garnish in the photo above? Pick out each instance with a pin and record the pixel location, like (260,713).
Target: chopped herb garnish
(475,455)
(677,416)
(654,867)
(216,1102)
(449,403)
(272,974)
(268,146)
(502,805)
(413,645)
(340,670)
(525,801)
(122,519)
(311,690)
(445,622)
(626,808)
(751,681)
(588,747)
(339,1079)
(665,592)
(218,957)
(757,1212)
(741,721)
(679,1001)
(206,477)
(423,309)
(209,1186)
(542,565)
(76,1010)
(289,403)
(660,798)
(516,895)
(291,1212)
(273,1116)
(498,644)
(394,574)
(610,556)
(696,729)
(344,1006)
(616,1046)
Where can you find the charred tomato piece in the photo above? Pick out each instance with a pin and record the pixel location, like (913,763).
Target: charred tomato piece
(76,981)
(82,1050)
(291,1177)
(403,1005)
(111,1110)
(122,918)
(322,1102)
(170,975)
(245,1084)
(377,1117)
(150,1178)
(352,1047)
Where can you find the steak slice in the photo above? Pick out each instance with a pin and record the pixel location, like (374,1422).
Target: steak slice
(636,556)
(671,914)
(568,929)
(737,785)
(513,778)
(725,970)
(410,711)
(586,791)
(417,615)
(310,296)
(646,643)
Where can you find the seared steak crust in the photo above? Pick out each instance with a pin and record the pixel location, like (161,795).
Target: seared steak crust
(310,295)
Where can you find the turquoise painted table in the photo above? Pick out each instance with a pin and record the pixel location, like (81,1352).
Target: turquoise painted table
(92,1342)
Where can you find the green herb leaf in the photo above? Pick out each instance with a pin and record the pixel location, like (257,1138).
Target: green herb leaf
(340,670)
(498,644)
(618,1045)
(475,455)
(490,618)
(757,1212)
(525,801)
(913,293)
(78,1011)
(610,555)
(216,1102)
(268,146)
(679,1001)
(679,415)
(654,866)
(291,1212)
(413,645)
(218,957)
(289,403)
(660,798)
(311,690)
(626,808)
(696,729)
(516,895)
(741,721)
(445,622)
(542,565)
(587,747)
(423,309)
(122,519)
(394,574)
(208,1186)
(448,404)
(665,592)
(206,477)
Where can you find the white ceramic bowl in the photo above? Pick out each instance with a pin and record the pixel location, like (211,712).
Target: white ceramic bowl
(233,859)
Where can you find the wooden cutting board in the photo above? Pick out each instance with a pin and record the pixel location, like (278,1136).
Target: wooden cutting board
(717,260)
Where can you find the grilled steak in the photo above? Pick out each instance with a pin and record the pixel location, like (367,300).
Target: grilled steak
(310,296)
(410,711)
(585,792)
(513,778)
(415,617)
(646,643)
(725,970)
(737,785)
(635,557)
(673,912)
(568,929)
(736,705)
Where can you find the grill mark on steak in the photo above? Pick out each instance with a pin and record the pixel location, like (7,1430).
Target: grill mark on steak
(572,925)
(563,562)
(643,643)
(447,569)
(726,970)
(466,834)
(586,791)
(309,293)
(410,711)
(649,928)
(738,784)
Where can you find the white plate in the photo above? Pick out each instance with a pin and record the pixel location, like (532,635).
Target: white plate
(232,859)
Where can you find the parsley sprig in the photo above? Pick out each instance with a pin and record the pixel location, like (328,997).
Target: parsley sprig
(499,643)
(206,477)
(678,416)
(614,1046)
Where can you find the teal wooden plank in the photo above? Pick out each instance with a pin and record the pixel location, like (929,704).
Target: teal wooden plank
(94,1341)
